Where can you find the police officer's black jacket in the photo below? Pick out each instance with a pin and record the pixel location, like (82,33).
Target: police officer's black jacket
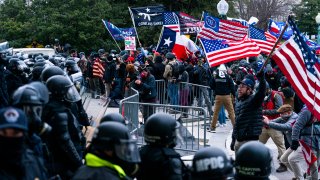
(14,81)
(160,163)
(64,141)
(248,113)
(31,167)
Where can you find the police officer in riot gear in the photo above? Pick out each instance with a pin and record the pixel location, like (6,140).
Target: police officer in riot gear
(253,161)
(66,142)
(211,163)
(76,107)
(28,99)
(113,154)
(74,73)
(158,158)
(51,71)
(17,161)
(15,75)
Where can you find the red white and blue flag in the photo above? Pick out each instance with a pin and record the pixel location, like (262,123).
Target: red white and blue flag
(215,28)
(276,27)
(308,154)
(220,51)
(263,39)
(171,21)
(172,41)
(301,67)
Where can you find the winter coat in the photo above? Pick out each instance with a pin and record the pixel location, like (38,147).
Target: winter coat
(302,129)
(248,113)
(284,126)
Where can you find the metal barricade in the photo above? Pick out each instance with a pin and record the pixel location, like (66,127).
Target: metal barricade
(130,111)
(189,95)
(192,129)
(162,96)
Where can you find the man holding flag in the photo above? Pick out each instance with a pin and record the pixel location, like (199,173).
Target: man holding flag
(301,67)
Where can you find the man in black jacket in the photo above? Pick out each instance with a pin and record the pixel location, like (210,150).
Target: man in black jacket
(223,87)
(146,86)
(248,111)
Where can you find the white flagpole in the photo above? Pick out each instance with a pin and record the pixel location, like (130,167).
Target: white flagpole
(111,34)
(199,27)
(160,37)
(134,25)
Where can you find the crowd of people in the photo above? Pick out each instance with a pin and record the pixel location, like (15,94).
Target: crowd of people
(42,117)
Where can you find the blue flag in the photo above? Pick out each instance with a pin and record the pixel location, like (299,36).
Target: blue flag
(275,29)
(118,33)
(147,16)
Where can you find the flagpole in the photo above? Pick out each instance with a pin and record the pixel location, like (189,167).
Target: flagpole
(274,47)
(199,27)
(134,26)
(111,34)
(160,37)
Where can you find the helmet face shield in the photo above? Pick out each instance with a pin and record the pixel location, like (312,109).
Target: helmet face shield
(127,150)
(72,94)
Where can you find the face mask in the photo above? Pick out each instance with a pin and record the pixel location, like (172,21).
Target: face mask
(143,75)
(11,150)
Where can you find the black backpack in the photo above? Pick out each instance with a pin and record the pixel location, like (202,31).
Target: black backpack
(175,70)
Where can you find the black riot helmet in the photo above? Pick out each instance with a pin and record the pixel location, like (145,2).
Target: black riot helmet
(42,91)
(36,73)
(253,161)
(28,98)
(61,88)
(116,117)
(71,66)
(161,130)
(115,136)
(211,163)
(26,95)
(17,66)
(51,71)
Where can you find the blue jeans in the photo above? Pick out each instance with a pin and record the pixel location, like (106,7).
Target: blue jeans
(173,93)
(222,115)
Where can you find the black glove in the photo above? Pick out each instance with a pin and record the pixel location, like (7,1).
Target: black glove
(294,145)
(232,144)
(260,74)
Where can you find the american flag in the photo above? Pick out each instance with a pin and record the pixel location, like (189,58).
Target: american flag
(215,28)
(220,51)
(301,67)
(308,154)
(171,21)
(263,39)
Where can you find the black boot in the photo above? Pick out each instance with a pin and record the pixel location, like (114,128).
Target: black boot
(281,168)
